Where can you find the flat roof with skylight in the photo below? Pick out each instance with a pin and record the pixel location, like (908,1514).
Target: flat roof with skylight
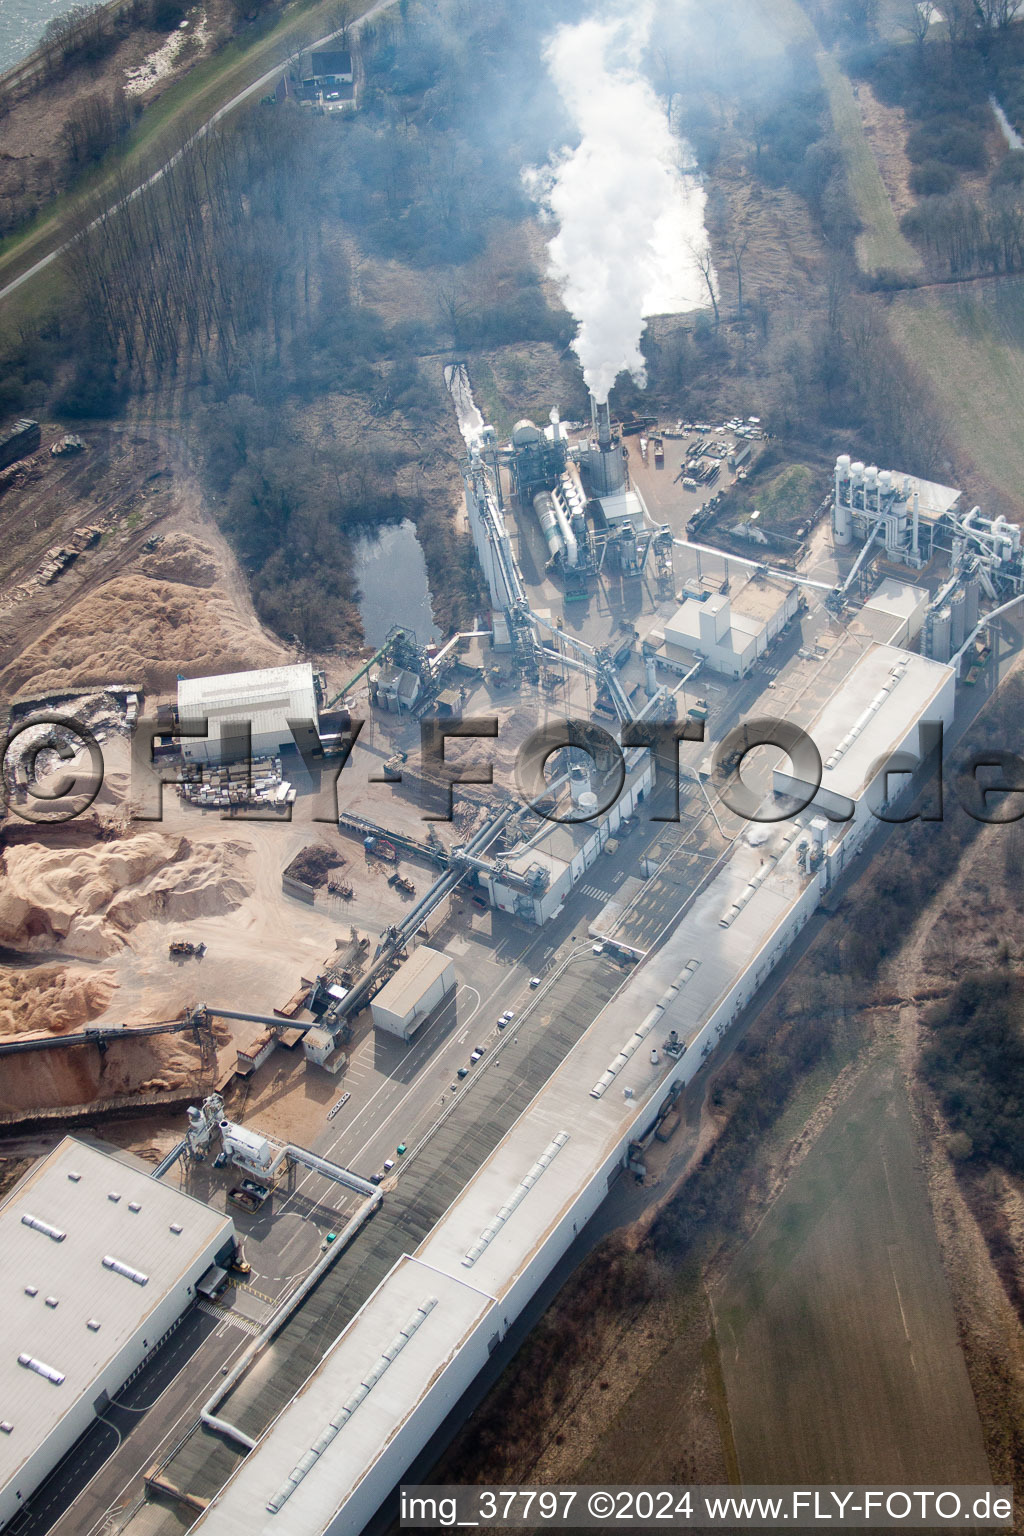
(93,1252)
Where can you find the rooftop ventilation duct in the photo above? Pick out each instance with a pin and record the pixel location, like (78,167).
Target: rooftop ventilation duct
(57,1234)
(307,1462)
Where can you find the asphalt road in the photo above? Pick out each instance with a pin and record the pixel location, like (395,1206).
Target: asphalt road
(128,1436)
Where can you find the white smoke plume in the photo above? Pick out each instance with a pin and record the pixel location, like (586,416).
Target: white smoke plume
(626,214)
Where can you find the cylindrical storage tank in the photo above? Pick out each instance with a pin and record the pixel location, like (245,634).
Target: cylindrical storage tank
(842,523)
(607,471)
(525,433)
(885,481)
(568,537)
(939,635)
(971,605)
(587,806)
(544,506)
(840,507)
(579,783)
(857,472)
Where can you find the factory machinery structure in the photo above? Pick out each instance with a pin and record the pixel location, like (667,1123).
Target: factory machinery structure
(525,877)
(590,516)
(510,856)
(918,523)
(387,1382)
(593,520)
(253,1153)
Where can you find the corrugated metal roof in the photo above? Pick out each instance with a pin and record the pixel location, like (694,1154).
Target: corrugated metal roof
(869,717)
(414,977)
(268,699)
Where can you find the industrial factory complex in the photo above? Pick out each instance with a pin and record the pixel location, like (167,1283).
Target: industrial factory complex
(610,994)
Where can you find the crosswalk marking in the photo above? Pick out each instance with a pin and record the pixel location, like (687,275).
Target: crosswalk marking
(226,1315)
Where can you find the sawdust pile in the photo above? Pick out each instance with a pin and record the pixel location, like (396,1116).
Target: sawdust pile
(85,902)
(181,558)
(147,630)
(52,998)
(81,1076)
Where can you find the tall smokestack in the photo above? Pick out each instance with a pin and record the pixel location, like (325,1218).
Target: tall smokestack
(604,427)
(603,418)
(605,463)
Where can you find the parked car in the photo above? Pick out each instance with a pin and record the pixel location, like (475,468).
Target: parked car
(508,1015)
(389,1164)
(401,1149)
(475,1057)
(463,1072)
(534,982)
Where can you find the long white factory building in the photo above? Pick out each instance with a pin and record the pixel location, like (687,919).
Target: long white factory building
(335,1452)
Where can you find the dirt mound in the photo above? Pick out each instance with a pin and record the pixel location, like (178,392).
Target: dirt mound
(181,559)
(85,901)
(314,865)
(52,997)
(144,629)
(204,883)
(80,1075)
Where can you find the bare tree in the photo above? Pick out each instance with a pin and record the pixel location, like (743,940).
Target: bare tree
(702,256)
(1000,14)
(917,20)
(737,250)
(961,20)
(451,308)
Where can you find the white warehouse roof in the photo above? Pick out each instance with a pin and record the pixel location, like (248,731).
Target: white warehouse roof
(412,980)
(106,1262)
(868,717)
(268,699)
(899,598)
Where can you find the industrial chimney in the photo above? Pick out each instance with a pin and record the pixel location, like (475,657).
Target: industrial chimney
(605,463)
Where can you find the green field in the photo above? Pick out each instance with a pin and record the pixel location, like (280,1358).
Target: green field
(968,339)
(880,245)
(835,1327)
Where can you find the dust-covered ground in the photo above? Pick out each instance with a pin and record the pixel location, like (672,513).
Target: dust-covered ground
(87,911)
(155,593)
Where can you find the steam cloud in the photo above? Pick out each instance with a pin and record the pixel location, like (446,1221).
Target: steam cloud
(627,217)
